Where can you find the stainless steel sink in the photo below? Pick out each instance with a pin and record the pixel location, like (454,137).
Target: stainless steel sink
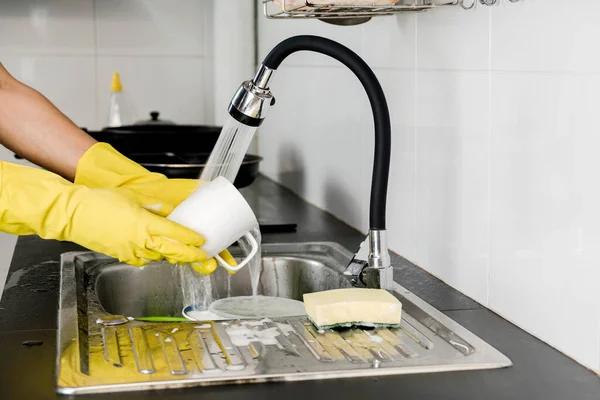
(287,271)
(142,355)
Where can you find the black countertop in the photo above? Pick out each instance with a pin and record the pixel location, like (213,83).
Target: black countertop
(28,312)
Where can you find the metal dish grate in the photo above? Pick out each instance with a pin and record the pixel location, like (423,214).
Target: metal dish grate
(100,352)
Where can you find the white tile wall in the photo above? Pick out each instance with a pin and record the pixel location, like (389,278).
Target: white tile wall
(546,35)
(450,38)
(382,50)
(544,214)
(400,87)
(69,49)
(494,159)
(47,27)
(233,61)
(452,179)
(174,86)
(301,139)
(277,30)
(153,27)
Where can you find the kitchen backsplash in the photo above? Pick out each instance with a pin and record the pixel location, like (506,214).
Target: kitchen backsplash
(493,186)
(165,54)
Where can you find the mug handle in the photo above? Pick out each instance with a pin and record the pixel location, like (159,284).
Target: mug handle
(241,265)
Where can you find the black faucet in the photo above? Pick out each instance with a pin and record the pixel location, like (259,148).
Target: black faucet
(371,265)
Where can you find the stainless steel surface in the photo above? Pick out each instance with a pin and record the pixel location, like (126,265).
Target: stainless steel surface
(379,274)
(493,2)
(109,320)
(379,257)
(371,265)
(256,160)
(141,355)
(346,21)
(252,101)
(356,14)
(263,77)
(378,278)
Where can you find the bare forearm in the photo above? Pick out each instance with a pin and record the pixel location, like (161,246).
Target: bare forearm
(33,127)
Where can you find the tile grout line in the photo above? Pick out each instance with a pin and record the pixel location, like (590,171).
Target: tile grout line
(99,54)
(489,172)
(96,74)
(415,135)
(365,219)
(374,67)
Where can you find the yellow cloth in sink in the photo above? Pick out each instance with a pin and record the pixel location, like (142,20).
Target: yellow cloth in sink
(353,307)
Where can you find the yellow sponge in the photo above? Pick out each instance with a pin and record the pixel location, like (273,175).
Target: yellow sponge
(353,307)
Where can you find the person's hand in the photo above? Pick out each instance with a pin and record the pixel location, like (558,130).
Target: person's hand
(102,166)
(33,201)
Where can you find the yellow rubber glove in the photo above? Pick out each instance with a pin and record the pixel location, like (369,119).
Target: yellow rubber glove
(102,166)
(34,201)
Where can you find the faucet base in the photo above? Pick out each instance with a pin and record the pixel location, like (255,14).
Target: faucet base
(371,265)
(378,278)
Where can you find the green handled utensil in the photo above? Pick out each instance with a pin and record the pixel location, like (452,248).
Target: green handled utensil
(162,319)
(110,320)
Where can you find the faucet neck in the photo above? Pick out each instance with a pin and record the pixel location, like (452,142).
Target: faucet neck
(379,107)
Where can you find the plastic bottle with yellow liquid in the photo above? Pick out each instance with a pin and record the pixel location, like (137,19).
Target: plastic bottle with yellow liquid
(114,116)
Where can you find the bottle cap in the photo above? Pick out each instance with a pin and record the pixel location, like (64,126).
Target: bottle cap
(115,85)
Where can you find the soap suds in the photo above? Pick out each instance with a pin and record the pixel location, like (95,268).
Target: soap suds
(257,323)
(243,335)
(154,207)
(255,307)
(374,338)
(286,329)
(203,316)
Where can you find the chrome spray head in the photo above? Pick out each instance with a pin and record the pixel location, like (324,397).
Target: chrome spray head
(253,98)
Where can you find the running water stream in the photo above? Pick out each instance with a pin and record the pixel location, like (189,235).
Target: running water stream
(225,160)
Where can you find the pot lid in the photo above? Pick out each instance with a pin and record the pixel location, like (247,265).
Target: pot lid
(154,120)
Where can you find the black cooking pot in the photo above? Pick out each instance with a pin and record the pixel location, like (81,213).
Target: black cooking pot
(155,137)
(177,151)
(190,165)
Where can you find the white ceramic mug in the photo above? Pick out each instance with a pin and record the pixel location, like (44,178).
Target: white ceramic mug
(221,214)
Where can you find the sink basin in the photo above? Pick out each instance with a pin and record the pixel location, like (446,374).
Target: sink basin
(135,355)
(158,290)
